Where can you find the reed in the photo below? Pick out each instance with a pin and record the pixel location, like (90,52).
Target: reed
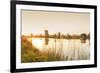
(29,53)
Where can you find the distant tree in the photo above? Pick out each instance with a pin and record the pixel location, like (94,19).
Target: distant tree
(68,36)
(83,37)
(59,35)
(46,34)
(55,36)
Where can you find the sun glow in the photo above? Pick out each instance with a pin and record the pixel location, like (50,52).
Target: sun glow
(38,43)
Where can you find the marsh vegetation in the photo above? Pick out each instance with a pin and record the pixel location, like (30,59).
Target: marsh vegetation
(36,50)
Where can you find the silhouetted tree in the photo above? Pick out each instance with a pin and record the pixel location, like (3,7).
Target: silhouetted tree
(83,38)
(59,35)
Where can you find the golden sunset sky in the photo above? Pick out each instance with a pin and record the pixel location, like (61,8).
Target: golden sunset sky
(65,22)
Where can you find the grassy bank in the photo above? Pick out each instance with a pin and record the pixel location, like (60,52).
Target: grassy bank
(29,53)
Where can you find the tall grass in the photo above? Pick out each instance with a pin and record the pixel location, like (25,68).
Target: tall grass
(29,53)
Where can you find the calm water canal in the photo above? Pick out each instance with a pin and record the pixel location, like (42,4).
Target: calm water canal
(72,49)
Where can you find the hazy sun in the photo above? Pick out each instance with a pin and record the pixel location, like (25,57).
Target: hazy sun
(37,43)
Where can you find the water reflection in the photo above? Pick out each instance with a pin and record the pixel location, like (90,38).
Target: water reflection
(73,49)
